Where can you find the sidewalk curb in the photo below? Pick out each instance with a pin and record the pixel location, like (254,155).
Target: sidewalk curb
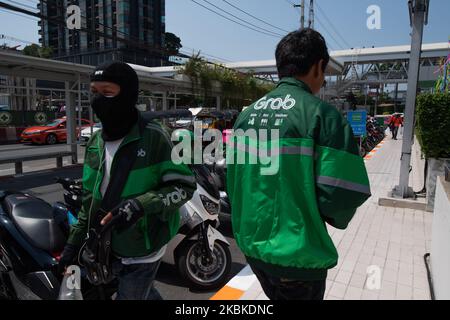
(374,150)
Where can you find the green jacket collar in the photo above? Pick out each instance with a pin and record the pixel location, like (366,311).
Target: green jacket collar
(295,82)
(133,135)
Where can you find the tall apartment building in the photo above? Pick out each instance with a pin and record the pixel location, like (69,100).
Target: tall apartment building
(126,30)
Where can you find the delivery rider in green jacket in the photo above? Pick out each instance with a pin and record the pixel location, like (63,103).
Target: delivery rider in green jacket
(150,189)
(315,175)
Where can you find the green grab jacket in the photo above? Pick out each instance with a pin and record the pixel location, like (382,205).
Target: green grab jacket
(317,176)
(154,180)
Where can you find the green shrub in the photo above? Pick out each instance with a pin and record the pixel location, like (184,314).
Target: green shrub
(433,124)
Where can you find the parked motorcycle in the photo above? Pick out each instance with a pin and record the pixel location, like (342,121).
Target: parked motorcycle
(200,252)
(374,135)
(31,242)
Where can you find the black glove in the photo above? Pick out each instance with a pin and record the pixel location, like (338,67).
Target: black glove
(68,256)
(127,214)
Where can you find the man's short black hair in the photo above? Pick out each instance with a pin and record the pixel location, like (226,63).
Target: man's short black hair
(298,51)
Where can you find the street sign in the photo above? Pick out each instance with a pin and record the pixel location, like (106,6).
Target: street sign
(5,118)
(40,118)
(357,120)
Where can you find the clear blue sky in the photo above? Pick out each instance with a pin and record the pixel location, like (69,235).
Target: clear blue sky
(201,29)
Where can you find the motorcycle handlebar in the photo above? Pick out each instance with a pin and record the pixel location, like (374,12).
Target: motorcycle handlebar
(68,184)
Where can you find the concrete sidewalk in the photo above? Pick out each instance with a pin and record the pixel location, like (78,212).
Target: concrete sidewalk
(380,253)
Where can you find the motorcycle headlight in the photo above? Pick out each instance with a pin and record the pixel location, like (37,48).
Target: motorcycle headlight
(210,206)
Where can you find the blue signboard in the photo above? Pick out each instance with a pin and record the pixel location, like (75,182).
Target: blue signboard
(357,120)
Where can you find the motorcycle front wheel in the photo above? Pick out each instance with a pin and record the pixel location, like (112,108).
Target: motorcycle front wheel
(201,271)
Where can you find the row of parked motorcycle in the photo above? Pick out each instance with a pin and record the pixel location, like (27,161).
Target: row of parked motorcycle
(33,234)
(375,133)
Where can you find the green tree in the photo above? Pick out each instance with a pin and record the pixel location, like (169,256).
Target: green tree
(36,51)
(172,44)
(45,52)
(31,50)
(238,87)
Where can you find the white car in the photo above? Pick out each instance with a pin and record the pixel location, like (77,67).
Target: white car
(86,133)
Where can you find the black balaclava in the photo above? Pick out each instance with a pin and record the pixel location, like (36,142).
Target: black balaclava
(117,114)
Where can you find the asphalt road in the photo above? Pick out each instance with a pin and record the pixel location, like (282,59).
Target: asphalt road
(168,282)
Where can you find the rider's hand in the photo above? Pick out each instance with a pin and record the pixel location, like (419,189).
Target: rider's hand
(68,255)
(106,219)
(127,213)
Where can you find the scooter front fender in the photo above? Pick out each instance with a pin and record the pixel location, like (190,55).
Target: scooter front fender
(213,235)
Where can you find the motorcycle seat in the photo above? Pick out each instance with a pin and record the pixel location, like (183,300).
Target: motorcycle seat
(34,218)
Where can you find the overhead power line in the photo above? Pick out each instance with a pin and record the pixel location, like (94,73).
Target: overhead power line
(19,15)
(23,5)
(33,2)
(250,15)
(333,27)
(339,45)
(240,19)
(6,37)
(207,54)
(291,3)
(237,22)
(323,27)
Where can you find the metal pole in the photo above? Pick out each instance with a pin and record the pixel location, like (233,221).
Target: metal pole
(70,121)
(419,13)
(396,97)
(302,19)
(164,101)
(91,114)
(50,102)
(366,89)
(79,105)
(302,15)
(311,14)
(376,102)
(218,103)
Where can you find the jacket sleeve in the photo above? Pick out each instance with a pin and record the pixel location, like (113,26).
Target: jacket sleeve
(176,183)
(342,184)
(79,231)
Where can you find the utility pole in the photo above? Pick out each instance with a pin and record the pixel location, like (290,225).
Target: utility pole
(302,16)
(418,13)
(311,14)
(377,97)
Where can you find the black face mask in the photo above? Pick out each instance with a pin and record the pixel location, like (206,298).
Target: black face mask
(118,114)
